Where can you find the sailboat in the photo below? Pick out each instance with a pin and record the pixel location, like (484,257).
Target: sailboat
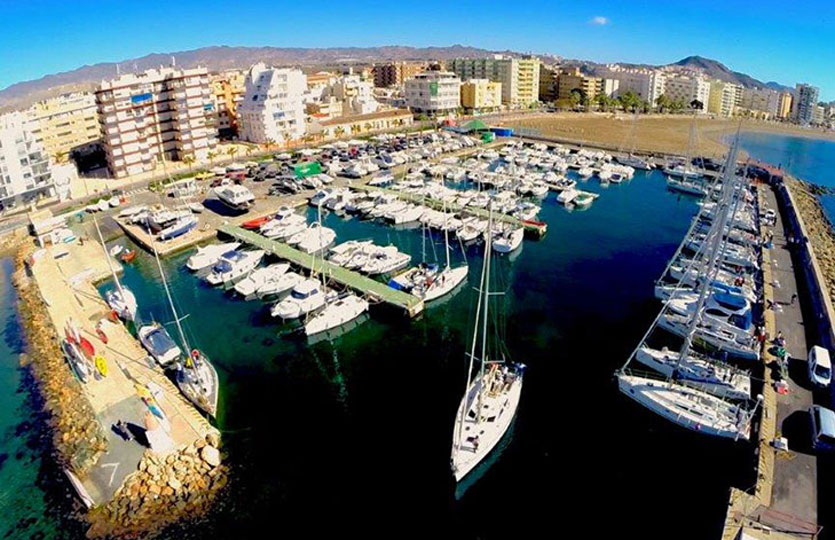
(492,395)
(196,376)
(427,281)
(693,392)
(121,299)
(631,160)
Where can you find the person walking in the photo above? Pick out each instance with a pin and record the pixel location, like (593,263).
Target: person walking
(794,298)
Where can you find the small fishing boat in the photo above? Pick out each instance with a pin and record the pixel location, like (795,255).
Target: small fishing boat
(128,255)
(256,223)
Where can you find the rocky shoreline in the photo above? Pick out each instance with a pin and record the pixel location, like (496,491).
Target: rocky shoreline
(165,490)
(818,228)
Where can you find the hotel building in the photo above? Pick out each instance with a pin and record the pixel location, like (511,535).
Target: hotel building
(273,105)
(160,114)
(434,93)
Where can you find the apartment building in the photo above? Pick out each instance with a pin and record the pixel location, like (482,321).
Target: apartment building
(320,79)
(25,171)
(804,103)
(65,125)
(687,90)
(784,105)
(647,84)
(434,93)
(519,77)
(481,95)
(763,100)
(356,95)
(164,113)
(273,105)
(395,73)
(721,99)
(227,93)
(549,83)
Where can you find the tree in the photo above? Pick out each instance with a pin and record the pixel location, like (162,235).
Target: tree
(355,129)
(368,126)
(60,157)
(270,143)
(211,155)
(576,97)
(249,150)
(663,102)
(339,131)
(629,101)
(189,160)
(231,151)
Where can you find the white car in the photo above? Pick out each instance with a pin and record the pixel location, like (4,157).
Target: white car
(820,367)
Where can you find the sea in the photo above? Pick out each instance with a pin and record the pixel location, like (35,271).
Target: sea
(806,158)
(352,434)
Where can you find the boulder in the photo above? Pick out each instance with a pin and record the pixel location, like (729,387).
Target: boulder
(210,455)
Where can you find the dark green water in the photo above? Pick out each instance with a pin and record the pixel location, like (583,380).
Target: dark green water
(354,434)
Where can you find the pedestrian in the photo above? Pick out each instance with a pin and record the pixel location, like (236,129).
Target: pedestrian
(794,298)
(121,429)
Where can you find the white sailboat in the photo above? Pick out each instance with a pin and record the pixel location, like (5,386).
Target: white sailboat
(492,396)
(121,299)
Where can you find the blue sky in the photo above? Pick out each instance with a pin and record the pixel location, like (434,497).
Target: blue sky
(767,39)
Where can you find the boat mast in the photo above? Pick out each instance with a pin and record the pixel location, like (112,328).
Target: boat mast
(446,234)
(109,262)
(170,300)
(464,408)
(488,246)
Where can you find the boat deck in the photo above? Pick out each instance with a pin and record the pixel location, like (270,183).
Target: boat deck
(353,280)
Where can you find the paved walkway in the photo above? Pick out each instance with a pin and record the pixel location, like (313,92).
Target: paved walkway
(66,284)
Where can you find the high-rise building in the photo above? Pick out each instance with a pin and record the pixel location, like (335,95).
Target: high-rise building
(273,105)
(804,103)
(65,124)
(763,100)
(25,172)
(572,81)
(355,95)
(784,106)
(647,84)
(519,76)
(481,95)
(687,90)
(227,93)
(396,73)
(160,114)
(433,92)
(549,83)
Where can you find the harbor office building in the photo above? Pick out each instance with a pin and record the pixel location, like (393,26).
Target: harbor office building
(161,114)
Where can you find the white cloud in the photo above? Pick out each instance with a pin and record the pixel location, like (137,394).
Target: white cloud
(599,21)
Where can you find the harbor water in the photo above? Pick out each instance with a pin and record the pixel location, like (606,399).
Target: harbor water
(354,432)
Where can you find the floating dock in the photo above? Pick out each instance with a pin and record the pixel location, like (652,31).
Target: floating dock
(534,228)
(353,280)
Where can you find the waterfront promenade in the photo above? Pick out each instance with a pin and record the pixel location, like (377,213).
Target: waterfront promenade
(66,284)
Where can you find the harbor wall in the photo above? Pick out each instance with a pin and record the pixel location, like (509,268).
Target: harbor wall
(809,265)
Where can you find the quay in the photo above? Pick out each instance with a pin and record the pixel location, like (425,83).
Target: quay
(784,501)
(65,276)
(374,289)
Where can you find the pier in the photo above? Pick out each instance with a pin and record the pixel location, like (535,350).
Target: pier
(353,280)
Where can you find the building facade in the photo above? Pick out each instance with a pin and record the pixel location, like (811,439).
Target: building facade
(160,114)
(356,95)
(434,93)
(352,126)
(273,107)
(647,84)
(722,99)
(227,93)
(481,95)
(65,125)
(25,173)
(761,100)
(396,73)
(519,77)
(784,105)
(687,91)
(804,103)
(548,83)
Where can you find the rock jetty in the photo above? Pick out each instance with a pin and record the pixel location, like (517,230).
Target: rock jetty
(818,228)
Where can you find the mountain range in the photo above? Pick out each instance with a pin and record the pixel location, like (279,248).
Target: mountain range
(22,94)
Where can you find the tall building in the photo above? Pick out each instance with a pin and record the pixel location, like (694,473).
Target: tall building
(519,76)
(549,83)
(647,84)
(763,100)
(434,93)
(25,173)
(227,93)
(784,106)
(481,95)
(273,106)
(160,114)
(572,80)
(804,103)
(65,124)
(687,90)
(355,95)
(395,73)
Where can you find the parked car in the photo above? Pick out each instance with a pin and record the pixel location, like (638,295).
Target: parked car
(820,366)
(823,428)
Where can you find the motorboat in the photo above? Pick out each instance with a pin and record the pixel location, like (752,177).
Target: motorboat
(508,239)
(315,239)
(250,285)
(566,196)
(385,260)
(208,256)
(234,265)
(235,196)
(156,340)
(276,285)
(180,227)
(309,295)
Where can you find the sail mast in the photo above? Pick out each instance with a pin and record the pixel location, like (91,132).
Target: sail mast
(170,300)
(488,246)
(446,234)
(109,262)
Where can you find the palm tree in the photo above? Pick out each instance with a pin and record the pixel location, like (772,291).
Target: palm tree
(270,143)
(249,150)
(355,129)
(211,155)
(189,160)
(231,151)
(663,102)
(60,156)
(339,131)
(368,126)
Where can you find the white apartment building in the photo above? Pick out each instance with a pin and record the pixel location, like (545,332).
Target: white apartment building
(164,113)
(647,84)
(25,173)
(433,92)
(687,89)
(356,95)
(611,87)
(273,106)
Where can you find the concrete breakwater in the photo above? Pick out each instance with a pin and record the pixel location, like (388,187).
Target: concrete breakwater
(152,490)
